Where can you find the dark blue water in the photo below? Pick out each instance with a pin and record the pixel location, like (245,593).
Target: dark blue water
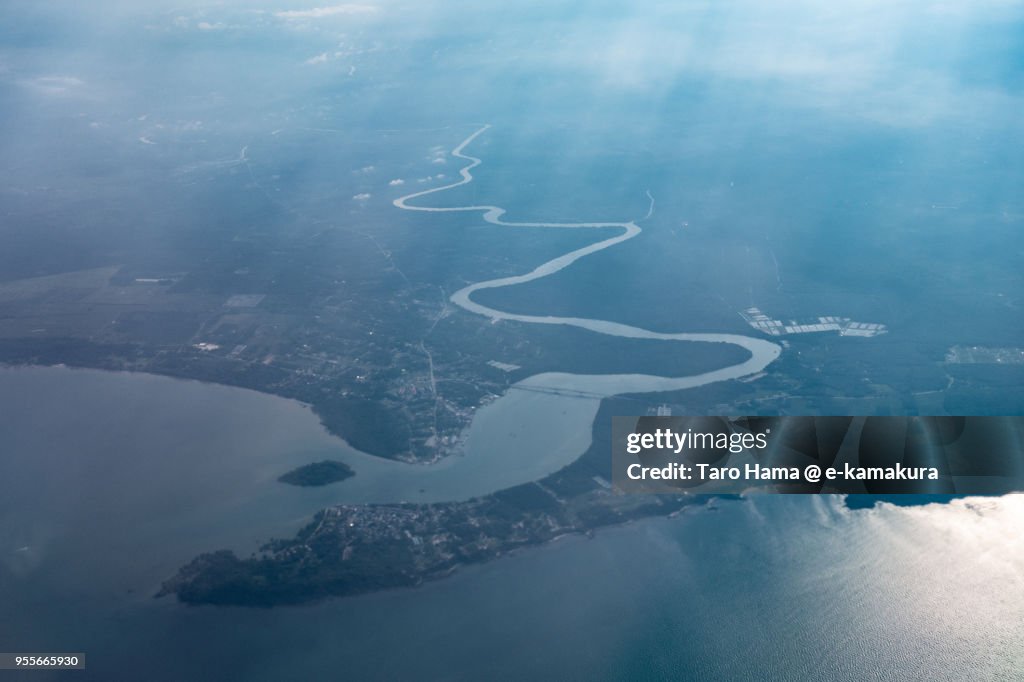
(786,587)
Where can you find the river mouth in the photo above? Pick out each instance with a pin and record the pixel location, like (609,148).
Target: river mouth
(106,465)
(113,480)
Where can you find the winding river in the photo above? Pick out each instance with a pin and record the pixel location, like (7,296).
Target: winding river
(762,352)
(162,469)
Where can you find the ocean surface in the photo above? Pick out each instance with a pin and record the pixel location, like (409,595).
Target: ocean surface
(109,482)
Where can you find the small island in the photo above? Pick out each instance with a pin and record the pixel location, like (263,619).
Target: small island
(351,548)
(318,473)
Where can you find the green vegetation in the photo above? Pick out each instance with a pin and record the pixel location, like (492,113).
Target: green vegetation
(318,473)
(353,549)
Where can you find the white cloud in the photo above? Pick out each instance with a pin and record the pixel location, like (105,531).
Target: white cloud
(207,26)
(362,197)
(54,85)
(320,12)
(438,155)
(870,58)
(397,182)
(60,81)
(319,59)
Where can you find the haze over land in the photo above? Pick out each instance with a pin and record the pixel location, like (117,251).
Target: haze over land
(783,208)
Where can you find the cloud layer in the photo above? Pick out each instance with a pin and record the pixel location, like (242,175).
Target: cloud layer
(320,12)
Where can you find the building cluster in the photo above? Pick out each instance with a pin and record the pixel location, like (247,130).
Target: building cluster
(843,325)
